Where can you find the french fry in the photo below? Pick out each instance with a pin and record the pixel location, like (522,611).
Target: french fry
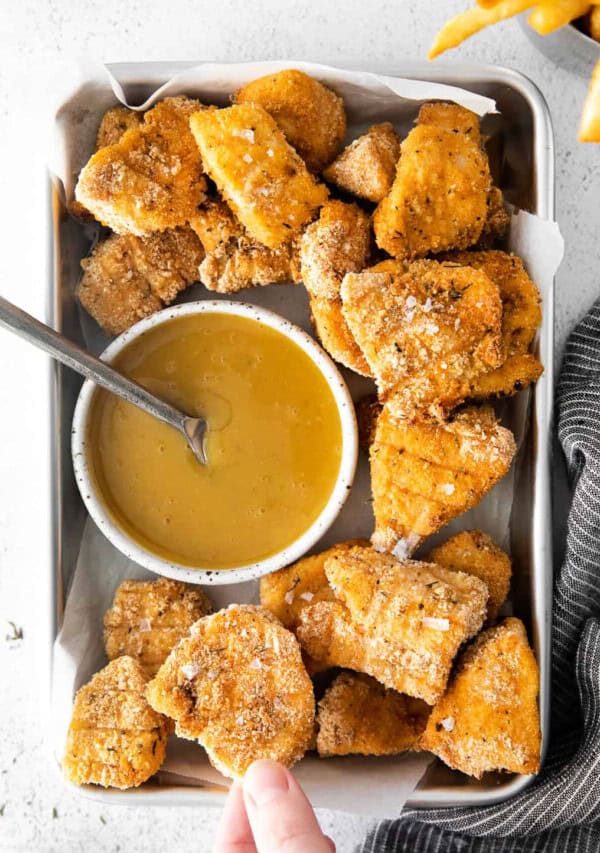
(589,127)
(466,24)
(551,15)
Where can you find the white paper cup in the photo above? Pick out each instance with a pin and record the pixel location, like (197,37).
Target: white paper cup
(96,506)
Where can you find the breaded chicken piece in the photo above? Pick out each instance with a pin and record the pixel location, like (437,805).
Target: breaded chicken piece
(239,686)
(424,474)
(367,167)
(112,290)
(115,738)
(126,278)
(438,200)
(168,260)
(286,592)
(152,179)
(426,332)
(367,411)
(115,123)
(258,173)
(488,719)
(359,716)
(476,553)
(311,116)
(234,261)
(337,243)
(336,338)
(400,621)
(496,222)
(521,317)
(148,618)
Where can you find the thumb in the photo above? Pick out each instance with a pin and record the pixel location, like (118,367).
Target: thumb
(281,817)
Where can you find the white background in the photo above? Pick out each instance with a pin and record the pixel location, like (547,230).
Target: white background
(36,36)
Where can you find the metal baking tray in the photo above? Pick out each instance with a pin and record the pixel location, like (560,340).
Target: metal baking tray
(523,162)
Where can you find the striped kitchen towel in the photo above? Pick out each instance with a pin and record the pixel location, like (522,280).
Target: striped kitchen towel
(561,810)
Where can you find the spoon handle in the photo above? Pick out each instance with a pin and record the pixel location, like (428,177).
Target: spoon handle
(88,365)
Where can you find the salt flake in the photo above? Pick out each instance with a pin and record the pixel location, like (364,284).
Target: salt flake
(436,624)
(448,723)
(307,596)
(289,596)
(145,625)
(190,670)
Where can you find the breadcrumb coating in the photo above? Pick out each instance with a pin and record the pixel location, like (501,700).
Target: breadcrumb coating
(126,278)
(152,179)
(438,200)
(425,473)
(239,686)
(496,222)
(399,621)
(311,116)
(332,331)
(359,716)
(367,411)
(488,719)
(259,175)
(426,331)
(115,738)
(367,167)
(115,123)
(476,553)
(148,618)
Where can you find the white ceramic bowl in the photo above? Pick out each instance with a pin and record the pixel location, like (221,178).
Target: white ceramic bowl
(132,549)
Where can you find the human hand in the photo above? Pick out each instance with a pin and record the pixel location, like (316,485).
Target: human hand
(270,813)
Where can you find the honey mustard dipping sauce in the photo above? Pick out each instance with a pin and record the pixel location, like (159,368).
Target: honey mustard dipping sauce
(274,442)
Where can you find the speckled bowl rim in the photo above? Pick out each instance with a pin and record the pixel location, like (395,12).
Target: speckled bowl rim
(136,552)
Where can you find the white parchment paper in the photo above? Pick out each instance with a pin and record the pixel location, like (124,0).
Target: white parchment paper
(372,786)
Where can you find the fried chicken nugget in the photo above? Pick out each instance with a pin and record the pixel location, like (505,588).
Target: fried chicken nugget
(488,718)
(239,686)
(126,278)
(438,200)
(337,243)
(168,260)
(311,116)
(115,738)
(112,290)
(367,411)
(286,592)
(521,317)
(148,618)
(400,621)
(366,168)
(115,123)
(425,473)
(496,222)
(476,553)
(359,716)
(426,332)
(260,175)
(152,179)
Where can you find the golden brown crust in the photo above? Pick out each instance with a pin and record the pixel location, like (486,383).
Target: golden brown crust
(150,180)
(259,175)
(400,621)
(332,330)
(521,317)
(359,716)
(112,290)
(497,220)
(126,278)
(238,685)
(366,168)
(311,116)
(426,331)
(115,738)
(423,474)
(476,553)
(115,123)
(287,592)
(148,618)
(488,718)
(438,200)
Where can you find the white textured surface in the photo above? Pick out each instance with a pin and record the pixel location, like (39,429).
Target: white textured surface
(36,811)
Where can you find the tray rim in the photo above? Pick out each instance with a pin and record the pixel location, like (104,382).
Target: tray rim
(543,147)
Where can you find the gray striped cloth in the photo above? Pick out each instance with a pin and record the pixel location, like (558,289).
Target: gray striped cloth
(561,810)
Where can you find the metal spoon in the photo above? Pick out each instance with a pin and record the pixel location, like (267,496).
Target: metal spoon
(63,350)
